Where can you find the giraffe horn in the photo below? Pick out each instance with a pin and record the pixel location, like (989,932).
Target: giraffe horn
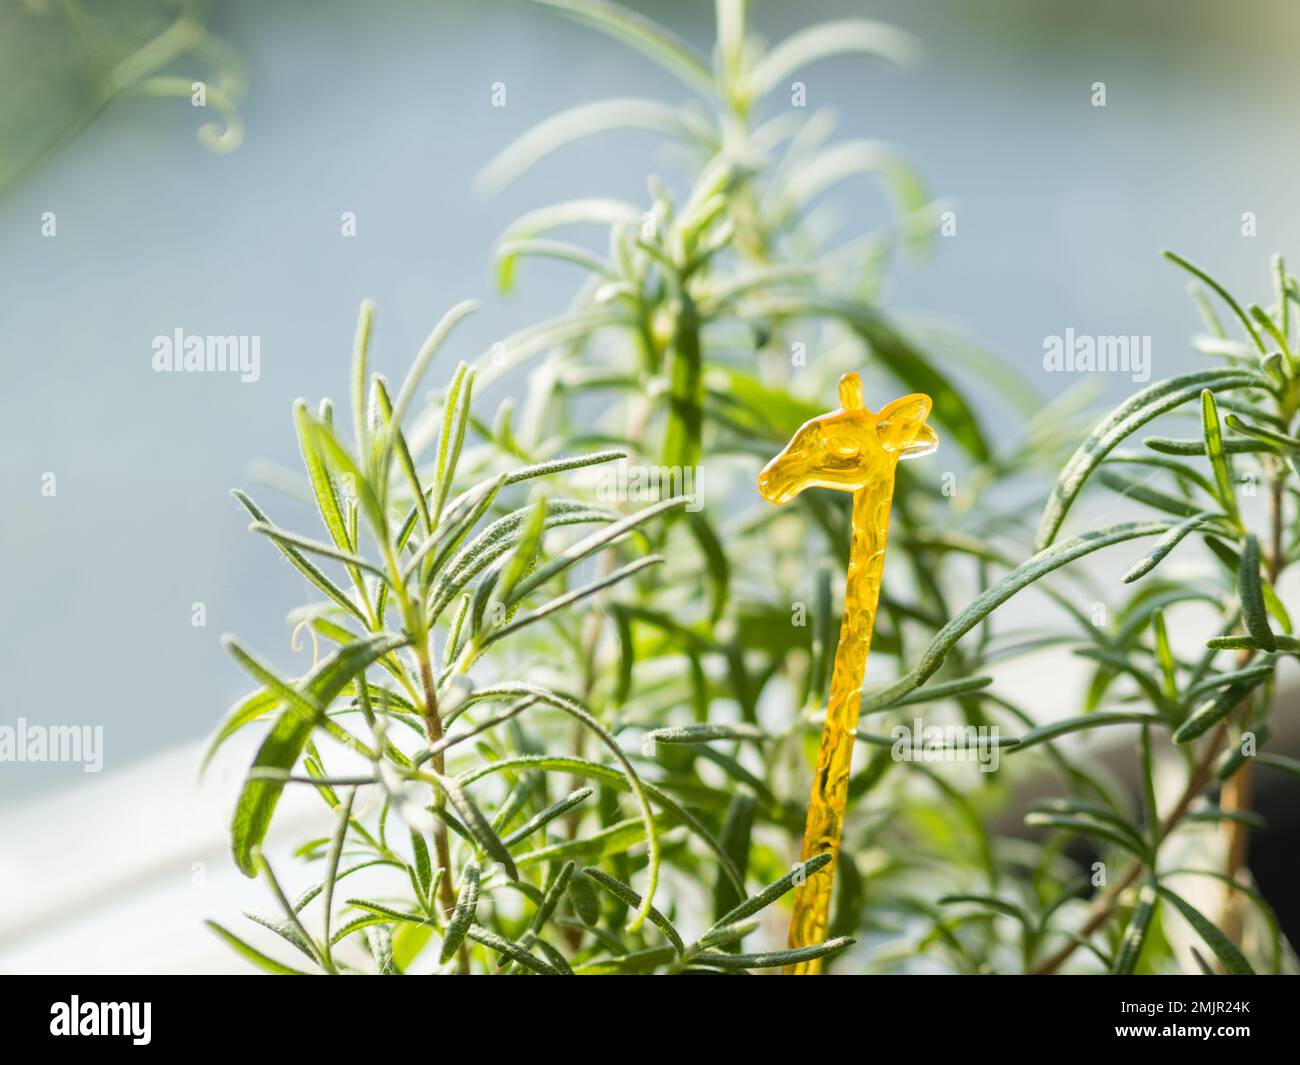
(851,392)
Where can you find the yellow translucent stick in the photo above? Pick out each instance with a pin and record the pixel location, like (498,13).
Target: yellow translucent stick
(853,450)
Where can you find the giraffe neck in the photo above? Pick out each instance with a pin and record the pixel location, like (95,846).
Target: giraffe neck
(870,525)
(861,593)
(830,788)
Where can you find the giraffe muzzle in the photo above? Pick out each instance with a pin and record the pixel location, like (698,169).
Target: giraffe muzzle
(782,478)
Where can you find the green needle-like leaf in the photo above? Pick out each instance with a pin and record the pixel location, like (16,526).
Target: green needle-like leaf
(1135,934)
(326,492)
(262,961)
(1253,611)
(1122,422)
(836,37)
(1233,961)
(774,959)
(462,917)
(545,817)
(1223,294)
(510,949)
(1215,710)
(475,823)
(588,546)
(289,735)
(773,891)
(646,36)
(1218,458)
(302,563)
(1165,545)
(1037,567)
(629,897)
(360,349)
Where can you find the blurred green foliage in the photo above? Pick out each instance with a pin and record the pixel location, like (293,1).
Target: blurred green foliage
(66,60)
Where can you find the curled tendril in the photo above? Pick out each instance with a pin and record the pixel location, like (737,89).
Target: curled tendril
(139,75)
(295,643)
(220,137)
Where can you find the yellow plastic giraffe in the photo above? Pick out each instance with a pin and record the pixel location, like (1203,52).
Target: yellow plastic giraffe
(854,450)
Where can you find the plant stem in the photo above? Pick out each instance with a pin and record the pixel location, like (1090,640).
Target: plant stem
(1105,905)
(1235,797)
(682,435)
(441,844)
(1236,794)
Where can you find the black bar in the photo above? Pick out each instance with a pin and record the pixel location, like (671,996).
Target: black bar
(1074,1014)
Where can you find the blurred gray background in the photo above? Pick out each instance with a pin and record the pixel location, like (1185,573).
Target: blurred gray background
(383,109)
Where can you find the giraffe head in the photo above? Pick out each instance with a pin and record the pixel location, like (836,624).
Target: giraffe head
(851,447)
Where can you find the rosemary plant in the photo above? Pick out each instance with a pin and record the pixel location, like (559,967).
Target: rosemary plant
(1199,691)
(548,752)
(690,333)
(443,583)
(714,326)
(1204,707)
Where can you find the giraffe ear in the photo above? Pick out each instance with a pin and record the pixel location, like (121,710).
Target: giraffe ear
(851,392)
(913,408)
(901,427)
